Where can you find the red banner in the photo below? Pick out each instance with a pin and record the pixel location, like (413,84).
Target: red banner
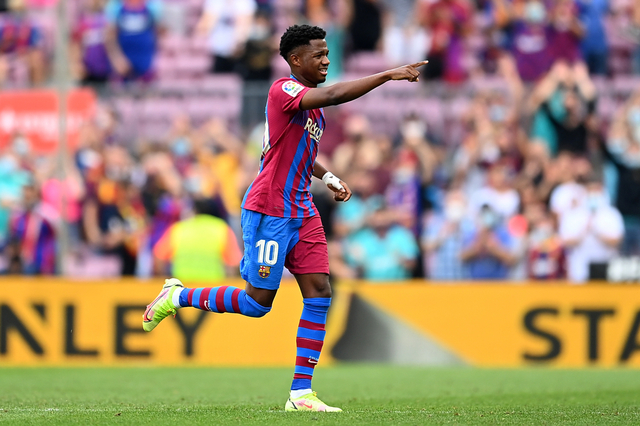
(34,114)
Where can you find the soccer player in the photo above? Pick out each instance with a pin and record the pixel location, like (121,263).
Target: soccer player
(280,223)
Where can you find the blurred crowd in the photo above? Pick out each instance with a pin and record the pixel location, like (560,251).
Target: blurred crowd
(118,39)
(536,187)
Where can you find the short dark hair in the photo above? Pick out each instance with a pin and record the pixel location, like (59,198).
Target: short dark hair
(299,35)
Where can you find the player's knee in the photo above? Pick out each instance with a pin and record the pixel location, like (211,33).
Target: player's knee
(322,287)
(254,309)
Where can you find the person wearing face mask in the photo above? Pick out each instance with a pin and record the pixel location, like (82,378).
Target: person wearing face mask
(529,38)
(623,151)
(545,255)
(487,248)
(442,239)
(592,233)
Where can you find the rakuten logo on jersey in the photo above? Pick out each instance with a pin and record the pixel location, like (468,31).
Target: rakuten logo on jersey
(313,129)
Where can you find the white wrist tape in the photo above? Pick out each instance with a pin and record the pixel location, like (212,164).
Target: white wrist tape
(330,179)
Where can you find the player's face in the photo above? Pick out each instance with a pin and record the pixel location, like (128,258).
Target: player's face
(314,61)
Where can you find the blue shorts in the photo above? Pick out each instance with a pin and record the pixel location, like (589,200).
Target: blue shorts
(271,243)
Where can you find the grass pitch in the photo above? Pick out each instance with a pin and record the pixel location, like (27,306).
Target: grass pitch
(370,395)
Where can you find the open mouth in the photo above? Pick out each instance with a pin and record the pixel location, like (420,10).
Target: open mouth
(324,71)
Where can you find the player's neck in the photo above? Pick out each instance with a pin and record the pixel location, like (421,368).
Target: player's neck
(303,80)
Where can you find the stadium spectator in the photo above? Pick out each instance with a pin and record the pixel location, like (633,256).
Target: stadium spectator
(443,238)
(546,259)
(565,32)
(566,99)
(164,203)
(363,149)
(594,43)
(448,22)
(89,59)
(383,250)
(592,233)
(528,36)
(202,248)
(413,169)
(404,38)
(21,46)
(365,25)
(570,192)
(133,30)
(64,196)
(12,180)
(623,148)
(32,241)
(227,26)
(256,58)
(113,212)
(487,247)
(221,159)
(352,216)
(498,194)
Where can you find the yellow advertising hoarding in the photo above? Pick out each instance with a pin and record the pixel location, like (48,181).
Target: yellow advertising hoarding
(514,325)
(61,322)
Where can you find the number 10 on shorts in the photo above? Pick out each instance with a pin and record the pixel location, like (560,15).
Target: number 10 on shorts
(267,252)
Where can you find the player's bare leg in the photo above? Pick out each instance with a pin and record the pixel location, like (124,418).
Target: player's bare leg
(263,296)
(316,291)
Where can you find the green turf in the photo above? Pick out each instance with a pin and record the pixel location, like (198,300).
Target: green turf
(370,395)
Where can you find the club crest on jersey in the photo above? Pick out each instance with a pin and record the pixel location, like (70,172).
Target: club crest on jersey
(292,88)
(314,130)
(264,271)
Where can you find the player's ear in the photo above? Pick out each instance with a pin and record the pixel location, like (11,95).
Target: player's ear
(294,60)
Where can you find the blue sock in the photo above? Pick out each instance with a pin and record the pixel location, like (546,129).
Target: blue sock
(222,299)
(309,340)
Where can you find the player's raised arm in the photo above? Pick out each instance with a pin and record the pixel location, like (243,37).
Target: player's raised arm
(340,93)
(305,50)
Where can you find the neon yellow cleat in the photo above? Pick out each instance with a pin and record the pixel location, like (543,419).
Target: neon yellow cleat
(309,402)
(162,306)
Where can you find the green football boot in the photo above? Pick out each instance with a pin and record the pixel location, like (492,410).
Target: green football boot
(162,306)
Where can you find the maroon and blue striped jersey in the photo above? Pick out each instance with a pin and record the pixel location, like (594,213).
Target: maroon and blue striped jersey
(289,150)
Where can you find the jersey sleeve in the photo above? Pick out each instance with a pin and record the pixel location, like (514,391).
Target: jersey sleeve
(287,94)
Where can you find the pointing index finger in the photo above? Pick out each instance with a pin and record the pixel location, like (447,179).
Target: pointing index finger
(419,64)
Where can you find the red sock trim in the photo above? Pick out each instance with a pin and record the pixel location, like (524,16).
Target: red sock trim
(315,345)
(311,325)
(302,376)
(302,361)
(234,300)
(204,297)
(220,299)
(190,296)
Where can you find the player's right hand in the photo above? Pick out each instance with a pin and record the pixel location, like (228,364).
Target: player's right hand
(407,72)
(343,194)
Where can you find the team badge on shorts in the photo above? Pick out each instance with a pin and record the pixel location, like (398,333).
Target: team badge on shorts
(264,271)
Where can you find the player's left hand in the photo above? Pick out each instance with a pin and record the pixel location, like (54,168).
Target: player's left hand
(341,194)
